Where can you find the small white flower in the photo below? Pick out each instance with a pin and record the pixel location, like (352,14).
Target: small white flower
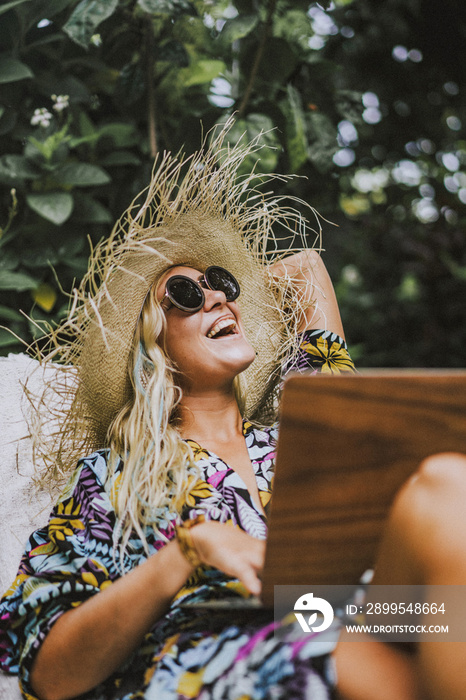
(61,102)
(41,117)
(96,40)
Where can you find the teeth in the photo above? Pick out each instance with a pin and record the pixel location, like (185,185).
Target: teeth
(221,325)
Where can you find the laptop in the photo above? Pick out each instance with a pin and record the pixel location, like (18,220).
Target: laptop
(347,443)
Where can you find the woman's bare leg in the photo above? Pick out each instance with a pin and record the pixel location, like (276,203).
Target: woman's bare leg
(425,543)
(370,670)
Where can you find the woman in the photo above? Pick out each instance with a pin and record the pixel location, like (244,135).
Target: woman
(171,509)
(179,330)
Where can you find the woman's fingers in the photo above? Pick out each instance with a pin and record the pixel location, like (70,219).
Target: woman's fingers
(232,551)
(251,581)
(311,284)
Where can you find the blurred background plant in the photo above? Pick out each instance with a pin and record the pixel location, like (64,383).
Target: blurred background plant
(365,99)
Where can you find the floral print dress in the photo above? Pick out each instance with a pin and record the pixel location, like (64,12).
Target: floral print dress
(188,653)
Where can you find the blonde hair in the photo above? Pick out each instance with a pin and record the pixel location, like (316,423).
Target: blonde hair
(144,434)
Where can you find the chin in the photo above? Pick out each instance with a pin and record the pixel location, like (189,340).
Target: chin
(247,362)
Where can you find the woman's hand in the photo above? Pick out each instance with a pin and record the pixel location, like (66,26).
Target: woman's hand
(311,283)
(232,551)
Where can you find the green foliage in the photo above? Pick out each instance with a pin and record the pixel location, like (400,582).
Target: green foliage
(86,17)
(403,197)
(295,129)
(256,126)
(200,73)
(7,6)
(12,70)
(16,280)
(364,99)
(238,27)
(53,206)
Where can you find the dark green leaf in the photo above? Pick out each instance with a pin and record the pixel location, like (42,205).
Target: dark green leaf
(74,254)
(37,10)
(173,52)
(295,27)
(295,124)
(81,175)
(71,247)
(77,264)
(200,72)
(8,120)
(8,260)
(9,5)
(8,314)
(458,271)
(13,167)
(12,70)
(53,7)
(166,7)
(131,84)
(89,133)
(238,27)
(86,17)
(324,141)
(43,41)
(75,142)
(90,211)
(16,280)
(7,338)
(53,206)
(70,85)
(86,125)
(39,258)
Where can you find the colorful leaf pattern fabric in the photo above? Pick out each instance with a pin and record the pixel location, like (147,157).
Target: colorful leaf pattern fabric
(186,654)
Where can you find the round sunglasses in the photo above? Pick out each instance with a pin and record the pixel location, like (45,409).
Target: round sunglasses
(187,294)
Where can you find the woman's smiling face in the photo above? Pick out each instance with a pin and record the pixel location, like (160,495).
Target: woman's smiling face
(209,347)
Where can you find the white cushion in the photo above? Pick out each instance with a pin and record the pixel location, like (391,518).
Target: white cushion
(22,508)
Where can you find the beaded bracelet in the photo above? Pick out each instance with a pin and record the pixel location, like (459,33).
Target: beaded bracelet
(185,539)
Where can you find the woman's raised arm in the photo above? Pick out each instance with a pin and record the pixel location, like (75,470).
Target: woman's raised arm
(311,280)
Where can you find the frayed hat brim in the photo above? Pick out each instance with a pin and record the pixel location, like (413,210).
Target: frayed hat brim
(196,212)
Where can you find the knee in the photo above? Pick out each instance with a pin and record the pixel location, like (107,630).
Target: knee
(442,476)
(435,489)
(424,537)
(431,508)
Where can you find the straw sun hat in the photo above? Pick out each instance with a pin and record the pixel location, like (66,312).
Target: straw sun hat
(195,212)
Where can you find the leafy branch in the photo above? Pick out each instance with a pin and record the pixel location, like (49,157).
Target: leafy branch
(258,58)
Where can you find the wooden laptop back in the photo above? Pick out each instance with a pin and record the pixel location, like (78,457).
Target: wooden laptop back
(346,445)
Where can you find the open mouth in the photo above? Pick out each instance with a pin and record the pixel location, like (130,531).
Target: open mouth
(223,327)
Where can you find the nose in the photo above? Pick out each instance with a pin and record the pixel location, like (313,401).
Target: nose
(214,297)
